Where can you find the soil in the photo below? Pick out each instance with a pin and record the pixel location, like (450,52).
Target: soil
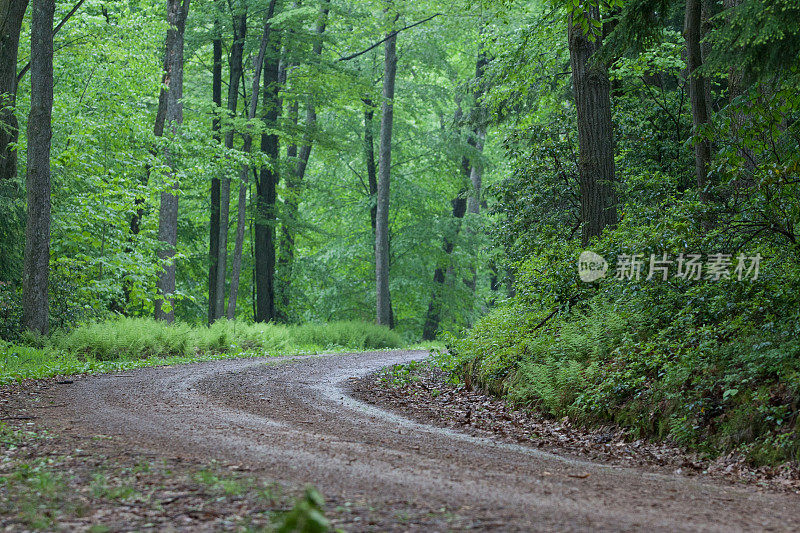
(293,421)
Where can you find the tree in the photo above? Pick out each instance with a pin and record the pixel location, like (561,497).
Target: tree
(12,12)
(171,95)
(266,187)
(433,316)
(260,63)
(220,247)
(591,88)
(37,230)
(698,91)
(369,162)
(383,297)
(214,222)
(298,163)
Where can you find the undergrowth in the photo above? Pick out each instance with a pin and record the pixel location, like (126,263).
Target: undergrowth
(713,366)
(135,342)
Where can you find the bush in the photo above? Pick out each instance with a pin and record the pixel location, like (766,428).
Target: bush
(712,365)
(127,338)
(141,338)
(351,335)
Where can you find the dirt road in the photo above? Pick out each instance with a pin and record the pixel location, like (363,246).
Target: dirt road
(292,420)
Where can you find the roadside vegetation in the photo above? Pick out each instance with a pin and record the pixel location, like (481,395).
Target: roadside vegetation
(125,343)
(705,167)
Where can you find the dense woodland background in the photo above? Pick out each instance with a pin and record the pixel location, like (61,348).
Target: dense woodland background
(435,167)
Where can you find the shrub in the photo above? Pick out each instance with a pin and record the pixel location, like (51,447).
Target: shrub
(127,338)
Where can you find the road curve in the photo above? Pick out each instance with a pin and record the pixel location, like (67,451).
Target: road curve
(292,420)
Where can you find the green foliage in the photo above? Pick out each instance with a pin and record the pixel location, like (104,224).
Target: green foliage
(37,495)
(710,364)
(137,338)
(141,338)
(351,335)
(123,343)
(758,37)
(307,515)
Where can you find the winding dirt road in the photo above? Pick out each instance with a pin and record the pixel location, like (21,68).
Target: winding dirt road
(292,420)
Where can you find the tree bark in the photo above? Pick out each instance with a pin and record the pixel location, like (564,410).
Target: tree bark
(12,12)
(294,181)
(177,13)
(697,94)
(266,189)
(591,87)
(35,277)
(214,222)
(234,77)
(369,162)
(384,306)
(236,266)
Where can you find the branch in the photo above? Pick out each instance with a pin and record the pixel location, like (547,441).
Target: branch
(68,16)
(60,25)
(389,36)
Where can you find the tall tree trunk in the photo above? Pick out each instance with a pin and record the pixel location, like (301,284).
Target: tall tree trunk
(234,77)
(372,179)
(591,87)
(168,212)
(266,188)
(241,223)
(36,271)
(479,133)
(294,181)
(697,94)
(214,222)
(236,265)
(433,316)
(478,140)
(739,121)
(369,161)
(12,12)
(384,306)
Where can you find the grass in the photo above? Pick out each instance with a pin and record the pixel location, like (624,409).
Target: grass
(127,343)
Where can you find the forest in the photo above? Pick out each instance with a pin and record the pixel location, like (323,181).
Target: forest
(589,208)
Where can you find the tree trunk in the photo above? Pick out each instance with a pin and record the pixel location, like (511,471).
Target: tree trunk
(241,222)
(369,161)
(433,316)
(478,140)
(12,12)
(236,266)
(294,181)
(697,94)
(384,306)
(479,132)
(266,186)
(742,184)
(591,86)
(234,77)
(36,271)
(168,212)
(214,222)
